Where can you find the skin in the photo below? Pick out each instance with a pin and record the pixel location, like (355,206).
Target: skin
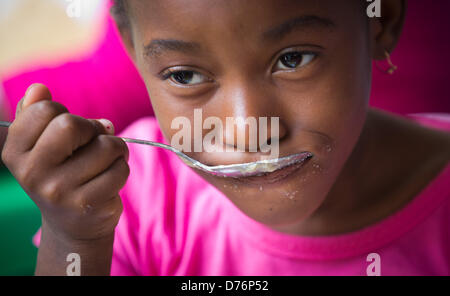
(47,150)
(367,164)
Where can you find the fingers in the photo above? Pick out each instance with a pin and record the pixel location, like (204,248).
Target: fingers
(108,126)
(68,165)
(90,160)
(64,135)
(35,112)
(108,183)
(31,120)
(35,93)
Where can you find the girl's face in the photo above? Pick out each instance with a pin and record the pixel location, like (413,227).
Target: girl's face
(307,62)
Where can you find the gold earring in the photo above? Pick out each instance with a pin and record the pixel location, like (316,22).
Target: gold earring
(392,68)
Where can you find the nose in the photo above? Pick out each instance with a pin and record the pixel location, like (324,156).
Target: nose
(253,116)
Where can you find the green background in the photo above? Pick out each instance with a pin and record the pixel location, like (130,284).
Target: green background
(19,221)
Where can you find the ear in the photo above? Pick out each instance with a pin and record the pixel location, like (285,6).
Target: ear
(386,30)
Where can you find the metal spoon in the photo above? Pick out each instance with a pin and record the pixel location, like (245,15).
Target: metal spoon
(232,170)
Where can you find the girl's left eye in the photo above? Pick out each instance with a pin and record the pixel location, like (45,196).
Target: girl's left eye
(186,77)
(293,60)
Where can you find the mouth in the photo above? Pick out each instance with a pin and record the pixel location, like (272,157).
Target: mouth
(277,175)
(269,171)
(257,168)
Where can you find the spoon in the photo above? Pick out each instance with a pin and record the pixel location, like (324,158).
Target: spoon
(232,170)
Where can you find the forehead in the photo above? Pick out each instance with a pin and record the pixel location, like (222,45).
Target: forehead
(237,17)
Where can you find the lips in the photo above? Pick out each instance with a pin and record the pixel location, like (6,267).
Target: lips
(276,176)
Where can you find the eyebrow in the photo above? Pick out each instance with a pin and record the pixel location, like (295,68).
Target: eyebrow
(301,22)
(158,46)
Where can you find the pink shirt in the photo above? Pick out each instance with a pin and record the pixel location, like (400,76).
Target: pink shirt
(175,223)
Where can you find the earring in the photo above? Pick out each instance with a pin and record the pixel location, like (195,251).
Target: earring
(392,68)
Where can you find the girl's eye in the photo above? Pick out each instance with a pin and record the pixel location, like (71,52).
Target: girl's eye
(186,77)
(293,60)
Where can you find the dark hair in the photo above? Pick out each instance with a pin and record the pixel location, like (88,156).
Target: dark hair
(119,13)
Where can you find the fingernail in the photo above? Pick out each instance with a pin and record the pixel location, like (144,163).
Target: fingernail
(26,98)
(29,89)
(27,92)
(108,125)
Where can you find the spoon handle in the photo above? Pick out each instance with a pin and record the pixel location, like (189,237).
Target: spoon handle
(189,160)
(5,123)
(128,140)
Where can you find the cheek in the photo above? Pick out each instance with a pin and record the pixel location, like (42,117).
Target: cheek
(167,110)
(335,101)
(342,92)
(336,104)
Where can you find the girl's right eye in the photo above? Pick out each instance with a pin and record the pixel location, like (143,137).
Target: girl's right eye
(185,77)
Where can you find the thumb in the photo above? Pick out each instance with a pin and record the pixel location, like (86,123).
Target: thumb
(35,93)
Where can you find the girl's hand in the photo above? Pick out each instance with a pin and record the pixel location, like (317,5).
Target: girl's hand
(71,167)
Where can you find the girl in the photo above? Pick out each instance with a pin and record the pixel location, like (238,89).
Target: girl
(375,186)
